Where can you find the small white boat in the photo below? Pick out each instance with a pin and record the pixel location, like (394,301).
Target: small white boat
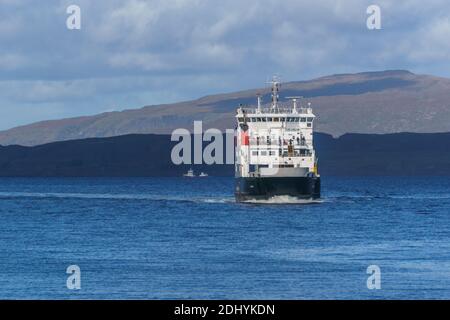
(203,174)
(189,174)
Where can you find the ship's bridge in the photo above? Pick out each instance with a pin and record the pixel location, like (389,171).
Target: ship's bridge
(277,110)
(304,117)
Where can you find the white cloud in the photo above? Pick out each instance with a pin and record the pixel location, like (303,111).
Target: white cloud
(429,45)
(147,47)
(10,61)
(143,61)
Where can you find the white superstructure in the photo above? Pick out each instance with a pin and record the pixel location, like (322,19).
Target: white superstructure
(276,140)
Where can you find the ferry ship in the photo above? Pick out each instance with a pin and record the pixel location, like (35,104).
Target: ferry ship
(274,151)
(189,174)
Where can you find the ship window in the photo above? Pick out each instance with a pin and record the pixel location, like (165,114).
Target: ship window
(271,153)
(297,119)
(269,119)
(309,124)
(264,119)
(241,119)
(310,119)
(264,153)
(258,119)
(282,119)
(303,120)
(254,153)
(276,119)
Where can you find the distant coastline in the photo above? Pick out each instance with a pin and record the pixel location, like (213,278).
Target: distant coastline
(147,155)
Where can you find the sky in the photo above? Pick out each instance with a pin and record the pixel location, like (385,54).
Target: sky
(132,53)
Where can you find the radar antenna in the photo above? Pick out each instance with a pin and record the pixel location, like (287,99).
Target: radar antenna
(294,102)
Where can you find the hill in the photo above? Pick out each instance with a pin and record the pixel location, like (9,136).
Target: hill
(370,102)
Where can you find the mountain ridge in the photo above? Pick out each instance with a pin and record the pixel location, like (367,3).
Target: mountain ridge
(374,102)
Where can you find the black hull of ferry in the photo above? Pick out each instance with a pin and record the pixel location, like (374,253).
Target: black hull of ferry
(264,188)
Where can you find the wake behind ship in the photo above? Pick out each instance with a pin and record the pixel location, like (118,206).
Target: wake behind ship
(274,151)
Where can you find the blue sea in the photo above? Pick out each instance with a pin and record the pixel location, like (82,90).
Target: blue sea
(181,238)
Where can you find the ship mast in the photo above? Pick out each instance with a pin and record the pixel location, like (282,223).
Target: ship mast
(275,90)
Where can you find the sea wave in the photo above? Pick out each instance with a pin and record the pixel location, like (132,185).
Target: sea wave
(112,196)
(149,197)
(284,200)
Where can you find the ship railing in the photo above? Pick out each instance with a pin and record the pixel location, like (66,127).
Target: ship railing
(279,110)
(284,153)
(276,143)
